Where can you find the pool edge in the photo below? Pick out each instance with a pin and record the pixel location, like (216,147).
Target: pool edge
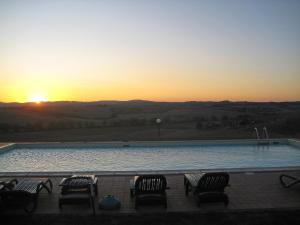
(292,141)
(248,171)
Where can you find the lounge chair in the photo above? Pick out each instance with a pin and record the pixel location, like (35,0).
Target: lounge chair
(78,190)
(288,180)
(209,187)
(24,193)
(149,189)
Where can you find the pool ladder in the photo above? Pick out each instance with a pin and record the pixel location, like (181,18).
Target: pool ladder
(265,137)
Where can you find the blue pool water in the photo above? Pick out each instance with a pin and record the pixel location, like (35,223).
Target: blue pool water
(148,158)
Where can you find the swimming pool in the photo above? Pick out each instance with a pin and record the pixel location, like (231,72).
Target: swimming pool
(149,156)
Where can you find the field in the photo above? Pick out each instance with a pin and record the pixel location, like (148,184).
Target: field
(136,120)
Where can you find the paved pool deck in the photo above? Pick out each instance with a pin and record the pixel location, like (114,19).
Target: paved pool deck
(248,191)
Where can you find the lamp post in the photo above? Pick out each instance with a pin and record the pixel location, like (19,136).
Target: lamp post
(158,122)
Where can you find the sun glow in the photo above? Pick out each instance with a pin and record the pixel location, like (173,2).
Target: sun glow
(38,99)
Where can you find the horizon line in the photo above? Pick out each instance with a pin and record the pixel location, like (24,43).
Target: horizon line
(154,101)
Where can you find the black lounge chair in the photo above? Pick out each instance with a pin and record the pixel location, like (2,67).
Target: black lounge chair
(209,187)
(78,190)
(149,189)
(288,180)
(24,193)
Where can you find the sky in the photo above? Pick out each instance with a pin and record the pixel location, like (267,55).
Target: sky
(160,50)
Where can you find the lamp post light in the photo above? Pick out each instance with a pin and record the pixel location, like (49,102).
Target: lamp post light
(158,122)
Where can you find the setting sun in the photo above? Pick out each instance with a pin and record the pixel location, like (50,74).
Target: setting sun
(158,51)
(38,99)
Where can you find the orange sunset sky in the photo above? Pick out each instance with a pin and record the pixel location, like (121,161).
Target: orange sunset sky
(153,50)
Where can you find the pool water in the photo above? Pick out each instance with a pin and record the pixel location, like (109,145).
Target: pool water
(148,158)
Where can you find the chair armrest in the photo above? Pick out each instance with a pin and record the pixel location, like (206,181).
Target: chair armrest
(62,182)
(95,180)
(9,184)
(13,181)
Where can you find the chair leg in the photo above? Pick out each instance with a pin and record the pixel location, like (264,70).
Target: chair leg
(226,200)
(187,188)
(131,192)
(93,206)
(96,189)
(29,209)
(60,205)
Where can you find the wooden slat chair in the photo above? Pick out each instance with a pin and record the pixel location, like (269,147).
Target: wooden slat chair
(25,193)
(209,187)
(78,190)
(149,189)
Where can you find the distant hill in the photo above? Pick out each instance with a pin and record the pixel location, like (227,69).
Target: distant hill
(181,119)
(146,102)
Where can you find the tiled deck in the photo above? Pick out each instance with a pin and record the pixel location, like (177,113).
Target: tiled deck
(247,192)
